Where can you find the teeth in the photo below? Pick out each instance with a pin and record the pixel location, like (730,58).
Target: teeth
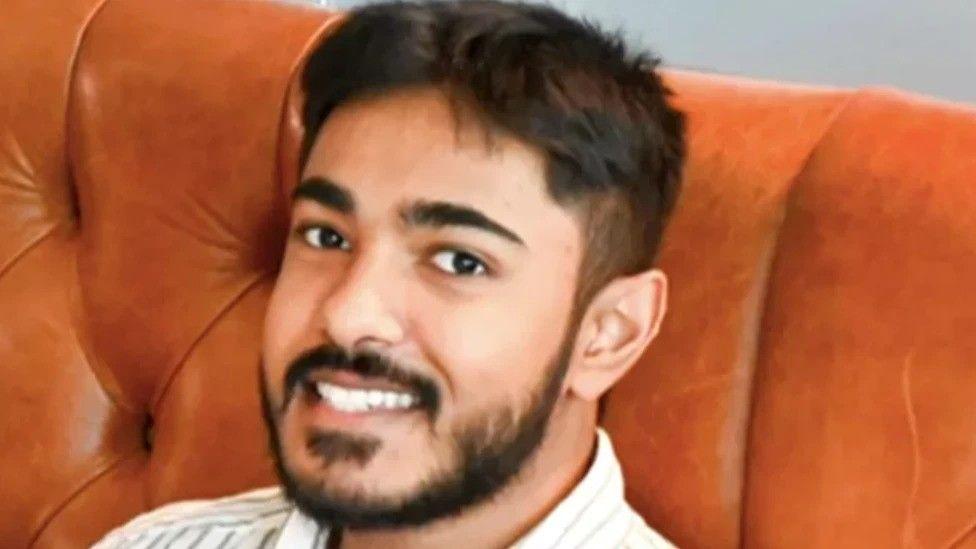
(358,401)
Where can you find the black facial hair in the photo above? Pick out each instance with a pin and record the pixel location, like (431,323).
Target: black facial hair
(490,451)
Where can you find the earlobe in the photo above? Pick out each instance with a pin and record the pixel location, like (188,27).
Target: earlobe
(623,319)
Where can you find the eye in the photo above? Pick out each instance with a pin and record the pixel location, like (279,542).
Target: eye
(321,237)
(459,263)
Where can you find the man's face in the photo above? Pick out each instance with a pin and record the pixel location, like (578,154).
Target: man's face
(416,338)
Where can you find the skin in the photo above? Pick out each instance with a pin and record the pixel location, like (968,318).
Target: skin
(485,335)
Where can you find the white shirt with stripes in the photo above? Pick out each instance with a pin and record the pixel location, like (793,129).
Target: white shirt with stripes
(593,516)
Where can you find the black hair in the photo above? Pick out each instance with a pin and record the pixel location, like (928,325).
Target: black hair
(600,114)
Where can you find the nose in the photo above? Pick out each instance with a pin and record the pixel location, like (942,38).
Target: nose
(362,308)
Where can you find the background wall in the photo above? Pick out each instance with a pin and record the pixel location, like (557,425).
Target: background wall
(925,46)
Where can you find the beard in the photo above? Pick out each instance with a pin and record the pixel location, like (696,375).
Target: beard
(488,451)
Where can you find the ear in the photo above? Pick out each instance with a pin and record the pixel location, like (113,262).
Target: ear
(619,324)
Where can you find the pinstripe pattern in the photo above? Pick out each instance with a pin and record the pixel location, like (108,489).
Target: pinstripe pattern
(593,516)
(250,521)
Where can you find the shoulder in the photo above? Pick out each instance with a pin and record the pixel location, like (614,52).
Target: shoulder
(259,514)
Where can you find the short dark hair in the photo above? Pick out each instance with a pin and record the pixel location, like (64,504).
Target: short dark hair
(614,146)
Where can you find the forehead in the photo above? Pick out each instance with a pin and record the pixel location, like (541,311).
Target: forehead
(412,145)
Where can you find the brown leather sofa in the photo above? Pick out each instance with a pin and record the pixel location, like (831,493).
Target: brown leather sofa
(814,384)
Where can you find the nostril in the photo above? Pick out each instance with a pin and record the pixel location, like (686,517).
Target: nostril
(148,433)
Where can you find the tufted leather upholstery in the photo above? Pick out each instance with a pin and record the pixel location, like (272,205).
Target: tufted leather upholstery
(813,385)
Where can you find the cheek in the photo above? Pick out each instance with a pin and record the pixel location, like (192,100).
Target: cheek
(289,320)
(501,343)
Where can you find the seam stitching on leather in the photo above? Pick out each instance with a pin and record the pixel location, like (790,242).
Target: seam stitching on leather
(75,204)
(68,107)
(28,247)
(965,533)
(909,535)
(78,324)
(772,259)
(73,494)
(221,313)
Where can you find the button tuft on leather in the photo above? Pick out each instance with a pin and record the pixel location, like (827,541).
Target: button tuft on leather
(148,433)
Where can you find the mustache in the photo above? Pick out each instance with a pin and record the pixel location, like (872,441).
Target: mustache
(368,364)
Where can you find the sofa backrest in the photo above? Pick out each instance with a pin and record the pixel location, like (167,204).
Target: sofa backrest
(812,385)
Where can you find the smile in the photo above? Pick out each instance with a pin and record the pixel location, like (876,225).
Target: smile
(353,401)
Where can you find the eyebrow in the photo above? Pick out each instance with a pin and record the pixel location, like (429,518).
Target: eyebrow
(327,193)
(441,214)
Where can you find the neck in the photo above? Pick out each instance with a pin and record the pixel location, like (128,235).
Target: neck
(548,476)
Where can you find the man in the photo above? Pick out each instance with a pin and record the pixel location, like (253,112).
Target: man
(469,270)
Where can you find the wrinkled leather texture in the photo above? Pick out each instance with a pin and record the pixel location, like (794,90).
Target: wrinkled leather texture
(812,385)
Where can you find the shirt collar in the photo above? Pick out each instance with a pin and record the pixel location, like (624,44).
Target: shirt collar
(301,532)
(602,487)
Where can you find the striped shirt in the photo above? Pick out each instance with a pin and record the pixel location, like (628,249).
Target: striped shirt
(593,516)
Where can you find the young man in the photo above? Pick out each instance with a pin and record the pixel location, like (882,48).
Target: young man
(469,270)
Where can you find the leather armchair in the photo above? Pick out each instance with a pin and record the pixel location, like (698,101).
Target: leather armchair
(813,385)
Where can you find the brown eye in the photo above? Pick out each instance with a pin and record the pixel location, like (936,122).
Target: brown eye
(324,238)
(459,263)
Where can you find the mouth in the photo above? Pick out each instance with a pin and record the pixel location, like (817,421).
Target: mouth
(349,393)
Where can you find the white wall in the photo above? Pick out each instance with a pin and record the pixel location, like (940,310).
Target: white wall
(928,46)
(925,46)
